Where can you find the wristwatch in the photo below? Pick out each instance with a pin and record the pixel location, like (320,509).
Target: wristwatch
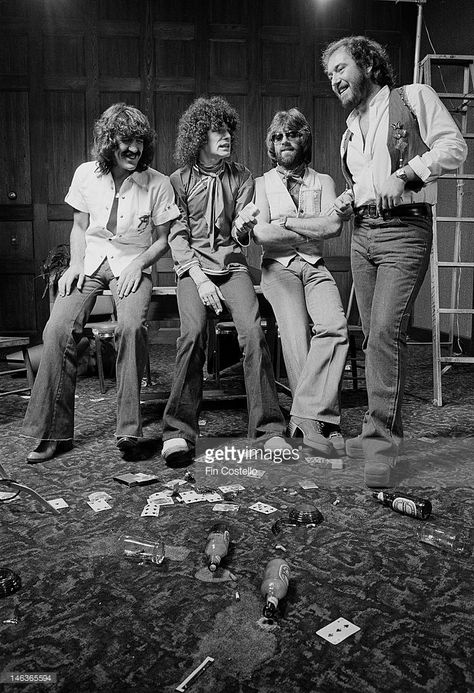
(400,173)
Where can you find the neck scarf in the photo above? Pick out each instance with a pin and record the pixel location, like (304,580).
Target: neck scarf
(292,176)
(211,176)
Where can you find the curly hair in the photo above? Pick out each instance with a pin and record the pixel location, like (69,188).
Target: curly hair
(121,122)
(203,114)
(290,120)
(366,53)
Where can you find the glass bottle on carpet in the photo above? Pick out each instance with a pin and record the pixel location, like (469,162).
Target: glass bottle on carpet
(142,551)
(456,541)
(275,584)
(405,504)
(217,544)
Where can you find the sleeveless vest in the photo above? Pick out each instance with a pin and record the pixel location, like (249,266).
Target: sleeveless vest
(403,138)
(282,204)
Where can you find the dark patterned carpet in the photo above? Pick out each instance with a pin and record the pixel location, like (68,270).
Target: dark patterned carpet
(103,623)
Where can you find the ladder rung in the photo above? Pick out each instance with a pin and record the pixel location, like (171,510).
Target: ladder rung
(461,176)
(457,359)
(446,58)
(457,311)
(455,264)
(464,219)
(454,95)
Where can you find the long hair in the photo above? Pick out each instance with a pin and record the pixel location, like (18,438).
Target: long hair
(121,121)
(203,114)
(366,53)
(290,120)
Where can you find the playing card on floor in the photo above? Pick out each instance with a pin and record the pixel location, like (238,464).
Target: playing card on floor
(263,508)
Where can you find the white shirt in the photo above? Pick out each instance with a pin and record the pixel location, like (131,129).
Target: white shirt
(145,200)
(369,162)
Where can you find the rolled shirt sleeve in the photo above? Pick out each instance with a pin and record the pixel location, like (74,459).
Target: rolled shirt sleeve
(164,208)
(447,147)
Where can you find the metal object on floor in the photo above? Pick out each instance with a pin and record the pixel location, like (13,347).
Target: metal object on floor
(16,486)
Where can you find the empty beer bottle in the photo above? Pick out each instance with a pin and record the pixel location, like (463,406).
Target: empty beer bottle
(274,585)
(405,504)
(217,544)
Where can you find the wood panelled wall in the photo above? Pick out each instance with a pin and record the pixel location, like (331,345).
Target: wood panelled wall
(62,62)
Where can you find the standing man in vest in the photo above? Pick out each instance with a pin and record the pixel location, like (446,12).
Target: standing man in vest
(122,211)
(296,282)
(213,195)
(397,143)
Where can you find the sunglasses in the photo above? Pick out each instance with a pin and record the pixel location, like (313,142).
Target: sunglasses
(290,135)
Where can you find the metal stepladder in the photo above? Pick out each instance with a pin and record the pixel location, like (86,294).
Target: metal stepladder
(463,107)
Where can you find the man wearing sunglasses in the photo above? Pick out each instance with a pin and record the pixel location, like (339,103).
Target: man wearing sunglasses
(296,282)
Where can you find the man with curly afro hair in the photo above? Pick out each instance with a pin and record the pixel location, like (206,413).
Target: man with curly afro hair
(122,211)
(214,196)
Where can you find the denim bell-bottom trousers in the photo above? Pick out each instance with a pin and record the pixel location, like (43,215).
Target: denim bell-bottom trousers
(180,419)
(313,332)
(50,413)
(389,262)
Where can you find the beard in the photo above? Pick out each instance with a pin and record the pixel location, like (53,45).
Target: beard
(292,158)
(359,90)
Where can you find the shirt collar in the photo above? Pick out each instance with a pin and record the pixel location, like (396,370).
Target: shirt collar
(376,102)
(138,177)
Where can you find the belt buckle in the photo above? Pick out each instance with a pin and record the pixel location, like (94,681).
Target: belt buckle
(372,211)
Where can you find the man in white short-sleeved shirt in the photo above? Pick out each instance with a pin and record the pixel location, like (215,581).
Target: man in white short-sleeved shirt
(122,213)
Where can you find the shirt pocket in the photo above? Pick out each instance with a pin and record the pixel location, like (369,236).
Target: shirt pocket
(310,201)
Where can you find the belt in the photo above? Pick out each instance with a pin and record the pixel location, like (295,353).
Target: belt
(418,209)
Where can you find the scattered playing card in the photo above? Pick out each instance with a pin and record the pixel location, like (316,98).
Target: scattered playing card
(231,488)
(99,494)
(263,508)
(150,510)
(160,499)
(212,497)
(166,493)
(225,508)
(337,631)
(192,497)
(98,505)
(58,503)
(136,479)
(307,484)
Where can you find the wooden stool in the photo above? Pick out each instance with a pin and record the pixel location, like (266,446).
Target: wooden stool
(9,344)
